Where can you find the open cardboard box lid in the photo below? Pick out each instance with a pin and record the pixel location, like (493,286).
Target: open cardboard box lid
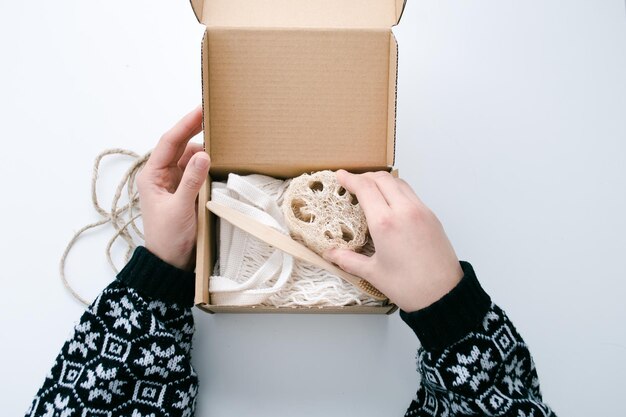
(293,86)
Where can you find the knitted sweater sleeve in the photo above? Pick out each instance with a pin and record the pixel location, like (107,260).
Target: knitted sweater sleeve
(130,353)
(472,360)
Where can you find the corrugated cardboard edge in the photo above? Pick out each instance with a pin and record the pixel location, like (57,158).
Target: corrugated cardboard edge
(388,309)
(392,100)
(206,120)
(400,5)
(204,256)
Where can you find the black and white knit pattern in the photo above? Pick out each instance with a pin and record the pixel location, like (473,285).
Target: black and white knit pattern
(489,372)
(128,356)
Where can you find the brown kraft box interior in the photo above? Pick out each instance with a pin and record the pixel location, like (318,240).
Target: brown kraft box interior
(294,86)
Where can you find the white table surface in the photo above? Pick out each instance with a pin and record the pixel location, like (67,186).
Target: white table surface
(511,126)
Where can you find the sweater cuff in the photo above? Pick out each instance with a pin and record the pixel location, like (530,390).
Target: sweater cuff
(453,316)
(150,276)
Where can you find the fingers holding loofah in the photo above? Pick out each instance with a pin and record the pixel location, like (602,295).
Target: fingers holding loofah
(323,214)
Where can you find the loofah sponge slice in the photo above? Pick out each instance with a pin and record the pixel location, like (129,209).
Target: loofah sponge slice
(323,214)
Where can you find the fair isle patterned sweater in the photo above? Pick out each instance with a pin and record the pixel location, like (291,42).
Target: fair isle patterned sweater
(130,353)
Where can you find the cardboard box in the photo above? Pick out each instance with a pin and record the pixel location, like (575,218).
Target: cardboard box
(294,86)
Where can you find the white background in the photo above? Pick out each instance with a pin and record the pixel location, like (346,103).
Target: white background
(511,126)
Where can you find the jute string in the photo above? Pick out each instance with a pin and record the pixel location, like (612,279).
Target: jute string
(122,217)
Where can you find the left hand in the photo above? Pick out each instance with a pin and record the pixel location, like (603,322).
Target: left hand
(168,186)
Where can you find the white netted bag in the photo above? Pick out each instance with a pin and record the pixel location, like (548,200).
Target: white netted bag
(323,214)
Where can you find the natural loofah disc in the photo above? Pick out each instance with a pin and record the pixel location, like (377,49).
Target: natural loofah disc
(323,214)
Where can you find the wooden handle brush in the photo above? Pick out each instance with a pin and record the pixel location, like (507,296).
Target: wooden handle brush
(288,245)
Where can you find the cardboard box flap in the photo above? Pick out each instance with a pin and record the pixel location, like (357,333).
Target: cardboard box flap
(299,13)
(335,107)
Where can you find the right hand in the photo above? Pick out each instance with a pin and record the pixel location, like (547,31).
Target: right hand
(414,263)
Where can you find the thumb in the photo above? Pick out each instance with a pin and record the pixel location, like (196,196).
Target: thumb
(350,261)
(194,176)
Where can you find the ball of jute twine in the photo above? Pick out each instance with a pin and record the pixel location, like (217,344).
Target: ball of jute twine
(122,217)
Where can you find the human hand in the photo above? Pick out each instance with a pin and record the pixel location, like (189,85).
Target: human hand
(168,186)
(414,263)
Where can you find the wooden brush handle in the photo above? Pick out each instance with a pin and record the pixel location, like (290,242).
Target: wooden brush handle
(288,245)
